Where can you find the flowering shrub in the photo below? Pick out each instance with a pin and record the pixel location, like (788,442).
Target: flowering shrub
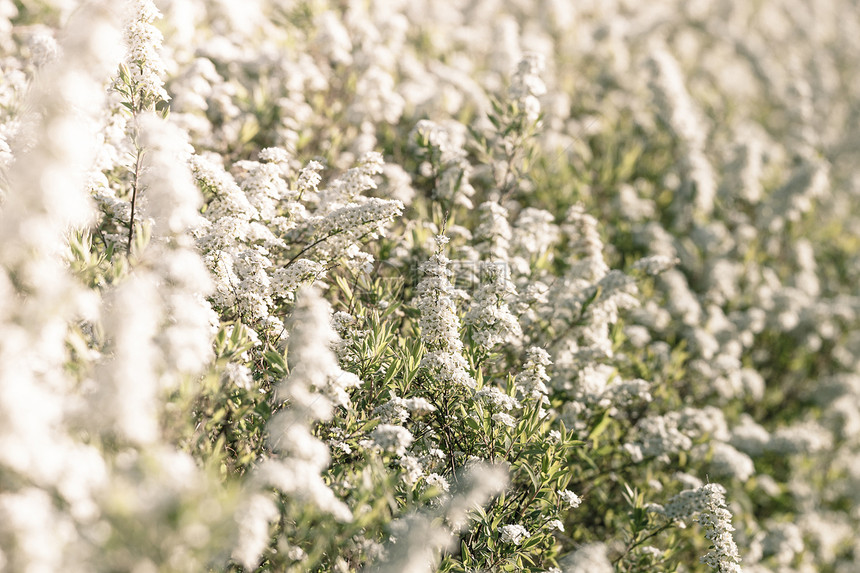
(423,286)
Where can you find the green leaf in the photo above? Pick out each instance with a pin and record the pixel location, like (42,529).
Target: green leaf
(532,541)
(277,363)
(535,481)
(464,553)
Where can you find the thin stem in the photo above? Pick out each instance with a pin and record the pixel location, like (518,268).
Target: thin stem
(134,188)
(312,245)
(634,543)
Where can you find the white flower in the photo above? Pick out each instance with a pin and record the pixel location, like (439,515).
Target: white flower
(534,232)
(393,412)
(571,499)
(727,461)
(585,242)
(656,264)
(355,181)
(802,438)
(685,121)
(497,399)
(358,219)
(332,38)
(514,534)
(505,419)
(253,517)
(143,41)
(392,438)
(237,375)
(301,272)
(296,553)
(449,368)
(590,558)
(531,382)
(440,325)
(412,469)
(314,386)
(437,481)
(493,233)
(419,406)
(749,437)
(527,85)
(309,179)
(660,436)
(419,537)
(492,321)
(717,522)
(274,155)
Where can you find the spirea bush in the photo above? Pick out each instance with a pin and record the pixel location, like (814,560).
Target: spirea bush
(414,286)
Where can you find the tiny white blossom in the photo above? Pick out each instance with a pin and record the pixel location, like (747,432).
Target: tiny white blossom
(514,534)
(392,438)
(505,419)
(497,399)
(437,481)
(143,41)
(571,499)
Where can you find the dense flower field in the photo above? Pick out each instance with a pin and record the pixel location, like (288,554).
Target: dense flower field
(406,286)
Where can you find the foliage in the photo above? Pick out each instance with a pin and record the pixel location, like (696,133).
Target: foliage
(429,286)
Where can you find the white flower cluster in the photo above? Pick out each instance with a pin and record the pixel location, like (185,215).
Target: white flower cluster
(38,301)
(254,517)
(659,436)
(600,387)
(686,504)
(392,438)
(159,323)
(708,150)
(397,410)
(419,537)
(531,382)
(717,522)
(656,264)
(707,505)
(678,110)
(143,41)
(504,419)
(256,221)
(489,316)
(138,338)
(496,399)
(590,558)
(513,534)
(440,325)
(588,299)
(569,498)
(534,232)
(527,86)
(493,234)
(314,387)
(784,541)
(728,461)
(585,243)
